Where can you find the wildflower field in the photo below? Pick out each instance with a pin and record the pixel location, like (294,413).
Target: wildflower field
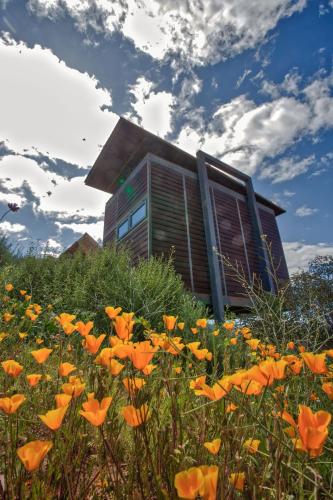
(184,411)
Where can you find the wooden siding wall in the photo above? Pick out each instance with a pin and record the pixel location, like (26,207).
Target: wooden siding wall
(120,205)
(230,239)
(197,237)
(174,227)
(168,219)
(270,229)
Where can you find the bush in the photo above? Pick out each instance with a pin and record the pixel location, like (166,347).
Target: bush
(86,284)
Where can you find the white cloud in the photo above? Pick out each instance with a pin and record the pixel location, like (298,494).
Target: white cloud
(53,107)
(66,198)
(153,110)
(305,211)
(298,254)
(95,230)
(288,194)
(249,136)
(8,227)
(199,31)
(287,168)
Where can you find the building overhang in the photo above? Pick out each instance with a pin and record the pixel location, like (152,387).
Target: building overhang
(128,144)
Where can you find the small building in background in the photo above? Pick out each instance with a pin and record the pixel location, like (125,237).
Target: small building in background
(86,244)
(164,199)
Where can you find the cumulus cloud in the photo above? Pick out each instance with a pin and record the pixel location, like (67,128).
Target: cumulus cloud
(95,230)
(299,254)
(152,110)
(199,31)
(8,227)
(54,109)
(287,168)
(51,193)
(250,136)
(305,211)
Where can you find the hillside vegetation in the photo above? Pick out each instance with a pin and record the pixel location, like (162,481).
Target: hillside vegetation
(114,385)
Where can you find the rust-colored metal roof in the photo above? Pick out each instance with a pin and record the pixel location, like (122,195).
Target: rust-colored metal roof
(128,144)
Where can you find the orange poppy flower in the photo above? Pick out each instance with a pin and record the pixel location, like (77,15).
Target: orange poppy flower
(251,445)
(233,341)
(133,384)
(95,411)
(104,357)
(200,354)
(142,354)
(201,323)
(112,312)
(231,408)
(115,367)
(122,350)
(32,454)
(313,429)
(229,325)
(74,387)
(9,287)
(315,362)
(194,331)
(10,405)
(53,418)
(92,343)
(291,346)
(65,369)
(250,388)
(327,387)
(41,355)
(135,416)
(198,382)
(23,292)
(181,325)
(193,346)
(33,379)
(84,328)
(189,482)
(218,391)
(237,479)
(68,328)
(197,481)
(273,370)
(169,322)
(62,400)
(7,317)
(65,318)
(148,369)
(253,343)
(294,363)
(123,326)
(11,367)
(213,446)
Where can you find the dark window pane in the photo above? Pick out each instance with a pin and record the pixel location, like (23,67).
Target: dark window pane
(123,229)
(138,215)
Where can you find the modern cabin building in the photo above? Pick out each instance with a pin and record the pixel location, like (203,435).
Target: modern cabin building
(165,199)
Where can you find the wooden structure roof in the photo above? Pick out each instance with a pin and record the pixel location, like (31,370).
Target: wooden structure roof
(85,244)
(128,144)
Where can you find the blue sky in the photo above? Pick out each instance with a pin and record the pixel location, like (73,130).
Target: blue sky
(249,82)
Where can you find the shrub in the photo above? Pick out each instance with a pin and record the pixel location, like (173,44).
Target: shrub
(85,284)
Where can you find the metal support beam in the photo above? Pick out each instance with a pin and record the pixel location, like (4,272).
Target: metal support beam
(264,263)
(215,277)
(213,262)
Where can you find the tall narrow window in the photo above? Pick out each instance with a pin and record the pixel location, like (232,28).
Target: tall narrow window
(123,229)
(139,214)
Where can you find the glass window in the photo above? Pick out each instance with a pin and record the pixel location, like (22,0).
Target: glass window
(138,215)
(123,229)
